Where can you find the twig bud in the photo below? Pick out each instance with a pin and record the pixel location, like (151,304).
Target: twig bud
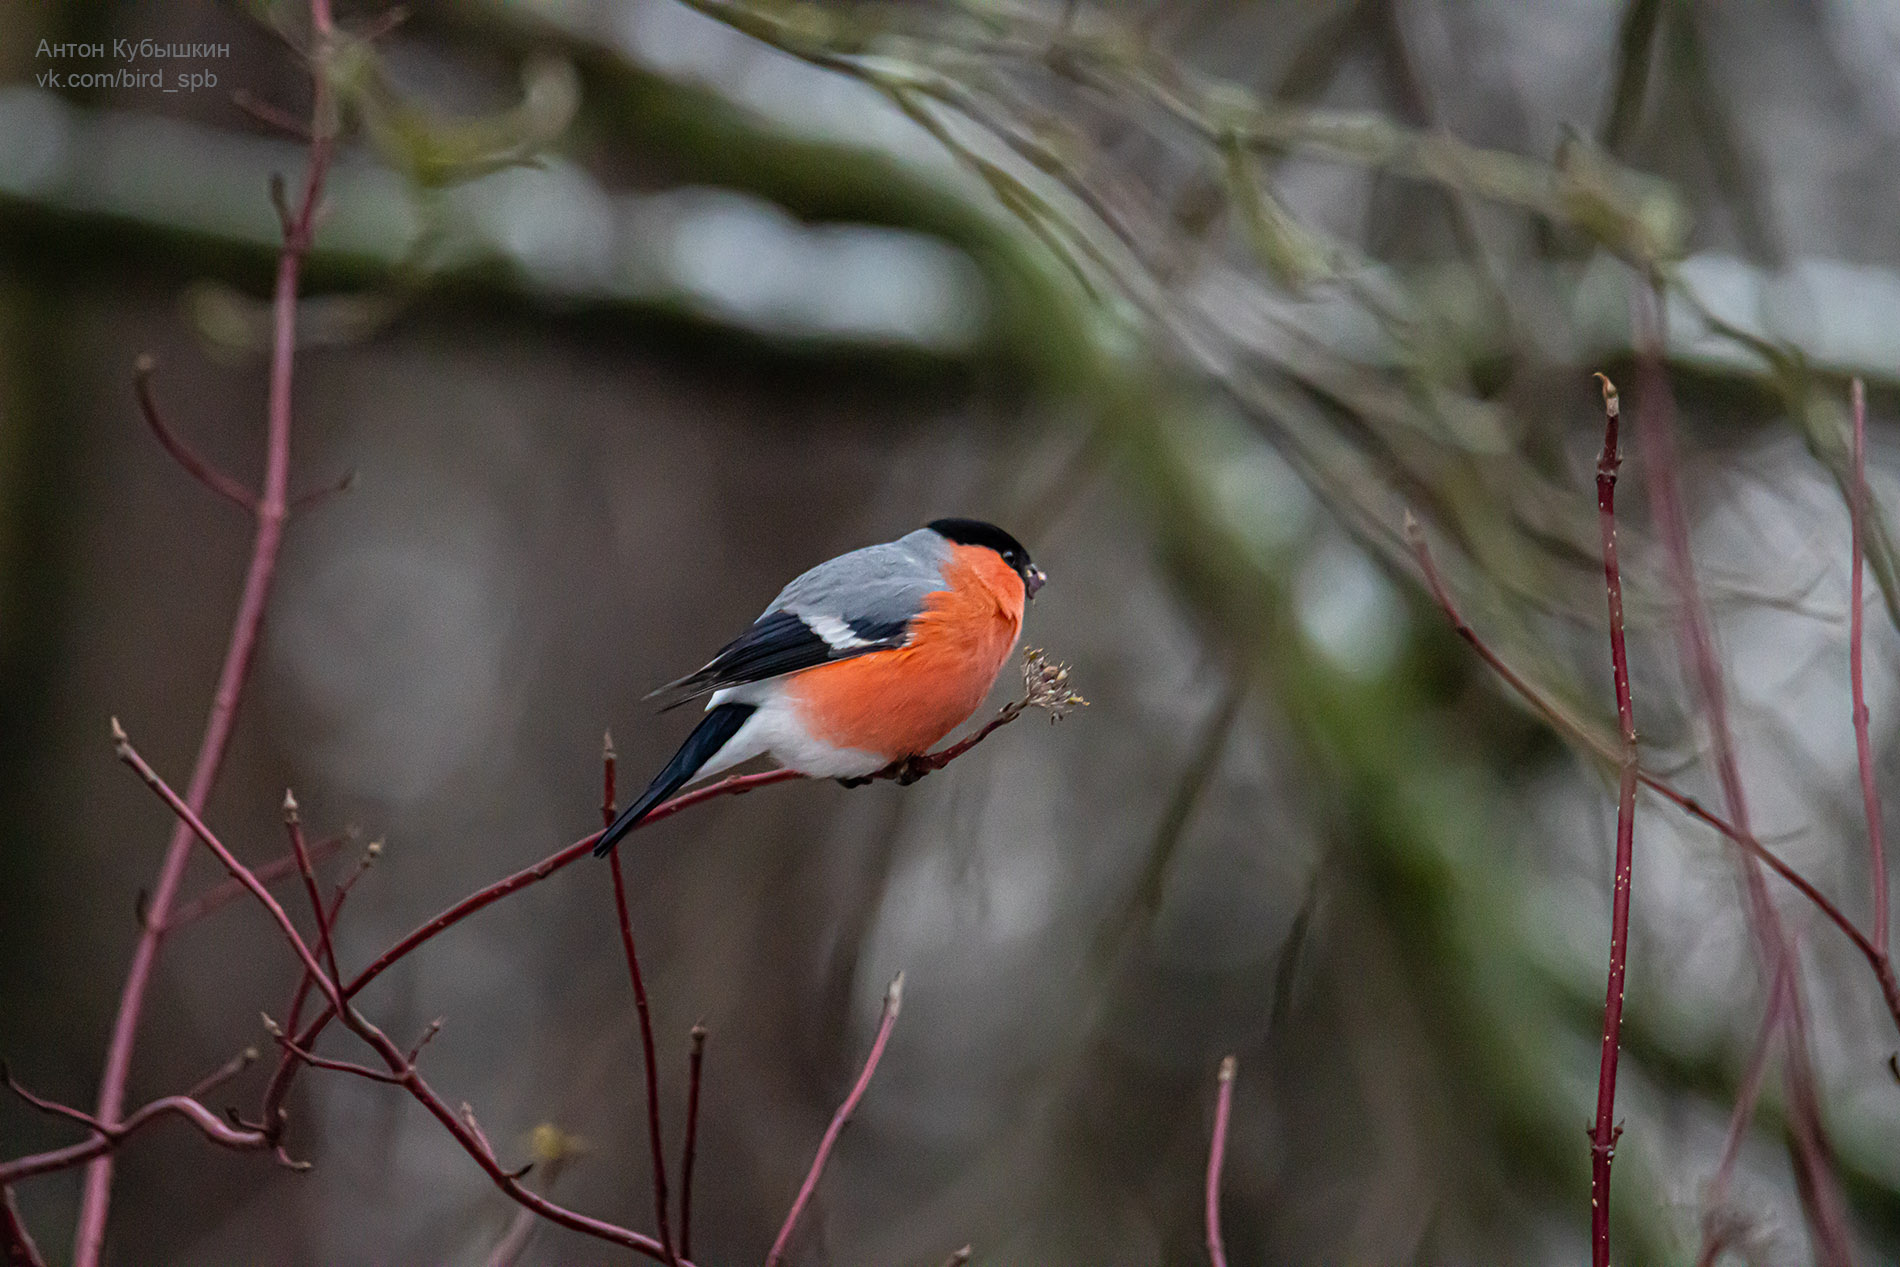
(1228,1068)
(290,808)
(271,1027)
(894,996)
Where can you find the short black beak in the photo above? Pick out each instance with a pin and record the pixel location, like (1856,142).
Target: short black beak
(1034,580)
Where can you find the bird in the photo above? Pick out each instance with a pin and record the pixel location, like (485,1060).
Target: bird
(861,662)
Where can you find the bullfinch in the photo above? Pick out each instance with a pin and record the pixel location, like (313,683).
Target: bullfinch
(863,661)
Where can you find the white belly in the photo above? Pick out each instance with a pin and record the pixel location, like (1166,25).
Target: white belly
(774,731)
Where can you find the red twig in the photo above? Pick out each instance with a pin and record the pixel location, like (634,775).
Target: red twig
(1217,1158)
(108,1135)
(893,999)
(183,454)
(227,891)
(1701,665)
(324,1062)
(16,1243)
(1856,642)
(293,826)
(647,1052)
(222,1074)
(1603,1138)
(694,1064)
(271,509)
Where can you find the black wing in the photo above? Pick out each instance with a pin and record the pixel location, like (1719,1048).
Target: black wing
(782,642)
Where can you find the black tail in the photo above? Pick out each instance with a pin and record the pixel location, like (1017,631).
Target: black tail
(708,737)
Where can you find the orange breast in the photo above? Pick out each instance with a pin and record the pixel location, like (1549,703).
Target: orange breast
(898,703)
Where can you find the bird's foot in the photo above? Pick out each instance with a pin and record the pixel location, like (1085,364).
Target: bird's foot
(858,782)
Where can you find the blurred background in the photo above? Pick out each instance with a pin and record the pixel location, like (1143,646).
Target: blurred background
(625,311)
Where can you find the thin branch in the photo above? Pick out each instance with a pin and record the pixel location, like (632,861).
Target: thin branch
(222,1074)
(1603,1139)
(16,1243)
(428,1036)
(893,999)
(1856,644)
(270,509)
(694,1063)
(293,826)
(650,1060)
(466,1132)
(107,1136)
(324,1062)
(183,454)
(1216,1159)
(305,502)
(130,756)
(227,891)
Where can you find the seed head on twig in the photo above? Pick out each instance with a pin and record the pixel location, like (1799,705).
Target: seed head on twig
(1046,685)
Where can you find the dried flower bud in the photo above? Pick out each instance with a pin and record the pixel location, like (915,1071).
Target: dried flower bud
(1045,685)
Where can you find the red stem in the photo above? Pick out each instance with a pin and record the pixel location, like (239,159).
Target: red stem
(16,1243)
(694,1064)
(1856,642)
(1604,1137)
(893,999)
(661,1204)
(227,891)
(89,1236)
(293,826)
(183,454)
(1216,1159)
